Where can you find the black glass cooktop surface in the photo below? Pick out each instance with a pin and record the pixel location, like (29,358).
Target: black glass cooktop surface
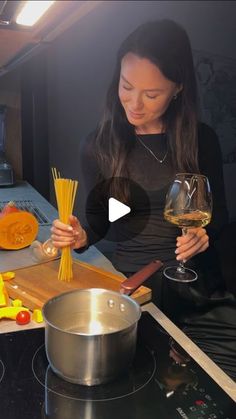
(163,383)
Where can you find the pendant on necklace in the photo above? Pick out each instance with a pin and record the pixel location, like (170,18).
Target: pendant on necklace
(151,152)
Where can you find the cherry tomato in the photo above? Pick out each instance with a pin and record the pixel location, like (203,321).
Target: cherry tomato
(23,317)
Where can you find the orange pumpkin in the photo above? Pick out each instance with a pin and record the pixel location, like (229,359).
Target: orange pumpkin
(18,229)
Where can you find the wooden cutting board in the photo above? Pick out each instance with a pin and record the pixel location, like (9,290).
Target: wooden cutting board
(36,284)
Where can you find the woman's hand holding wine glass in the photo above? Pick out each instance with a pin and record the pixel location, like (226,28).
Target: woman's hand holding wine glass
(195,241)
(189,206)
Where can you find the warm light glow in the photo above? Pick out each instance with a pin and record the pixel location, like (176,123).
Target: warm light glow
(32,11)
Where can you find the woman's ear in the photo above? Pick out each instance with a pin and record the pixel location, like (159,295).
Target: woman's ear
(179,89)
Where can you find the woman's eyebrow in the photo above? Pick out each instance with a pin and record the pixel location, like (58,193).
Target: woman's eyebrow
(125,80)
(146,90)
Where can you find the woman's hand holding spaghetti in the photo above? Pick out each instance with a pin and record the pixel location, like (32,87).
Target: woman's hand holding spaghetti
(71,234)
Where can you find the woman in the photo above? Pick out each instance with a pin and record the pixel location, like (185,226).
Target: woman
(149,132)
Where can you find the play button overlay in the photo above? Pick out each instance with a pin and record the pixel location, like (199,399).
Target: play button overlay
(116,209)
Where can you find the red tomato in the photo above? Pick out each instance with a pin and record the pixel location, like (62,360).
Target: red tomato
(23,317)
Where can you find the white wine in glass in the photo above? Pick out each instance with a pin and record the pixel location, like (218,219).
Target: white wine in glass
(188,205)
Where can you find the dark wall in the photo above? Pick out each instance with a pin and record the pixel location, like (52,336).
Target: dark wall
(34,115)
(10,97)
(81,61)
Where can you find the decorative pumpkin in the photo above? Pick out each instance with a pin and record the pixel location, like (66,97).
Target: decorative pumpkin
(18,229)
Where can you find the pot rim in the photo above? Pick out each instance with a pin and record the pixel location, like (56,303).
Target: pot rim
(99,291)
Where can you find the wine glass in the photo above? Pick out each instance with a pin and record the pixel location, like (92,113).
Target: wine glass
(188,204)
(43,251)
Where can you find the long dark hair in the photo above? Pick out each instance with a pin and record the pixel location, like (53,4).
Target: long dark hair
(165,44)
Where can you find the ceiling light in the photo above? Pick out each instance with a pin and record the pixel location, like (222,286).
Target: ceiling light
(32,11)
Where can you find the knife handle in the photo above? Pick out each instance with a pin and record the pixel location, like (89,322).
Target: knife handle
(133,282)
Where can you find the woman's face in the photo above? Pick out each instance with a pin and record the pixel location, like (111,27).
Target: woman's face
(145,93)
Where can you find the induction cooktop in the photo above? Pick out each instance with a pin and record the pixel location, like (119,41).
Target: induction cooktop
(164,382)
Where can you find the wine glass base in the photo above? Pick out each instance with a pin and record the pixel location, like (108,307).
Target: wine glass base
(42,252)
(189,275)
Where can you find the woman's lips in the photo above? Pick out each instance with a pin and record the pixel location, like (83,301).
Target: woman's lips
(136,115)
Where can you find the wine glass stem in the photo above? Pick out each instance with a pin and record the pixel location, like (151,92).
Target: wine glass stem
(184,231)
(181,267)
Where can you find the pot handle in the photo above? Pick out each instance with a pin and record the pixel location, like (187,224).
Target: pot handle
(133,282)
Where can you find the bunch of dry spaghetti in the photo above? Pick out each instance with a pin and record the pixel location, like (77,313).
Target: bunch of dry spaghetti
(65,190)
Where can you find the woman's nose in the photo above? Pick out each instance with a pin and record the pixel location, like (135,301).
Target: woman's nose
(137,102)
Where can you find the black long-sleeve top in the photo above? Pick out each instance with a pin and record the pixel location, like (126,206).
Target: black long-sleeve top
(157,240)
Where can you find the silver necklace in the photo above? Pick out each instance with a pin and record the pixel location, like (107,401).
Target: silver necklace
(151,152)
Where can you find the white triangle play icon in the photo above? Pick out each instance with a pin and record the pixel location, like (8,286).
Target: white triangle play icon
(116,209)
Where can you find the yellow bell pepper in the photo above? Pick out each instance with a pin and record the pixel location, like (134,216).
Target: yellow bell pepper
(11,312)
(4,298)
(7,276)
(37,315)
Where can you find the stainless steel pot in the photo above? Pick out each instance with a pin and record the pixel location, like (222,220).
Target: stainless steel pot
(90,334)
